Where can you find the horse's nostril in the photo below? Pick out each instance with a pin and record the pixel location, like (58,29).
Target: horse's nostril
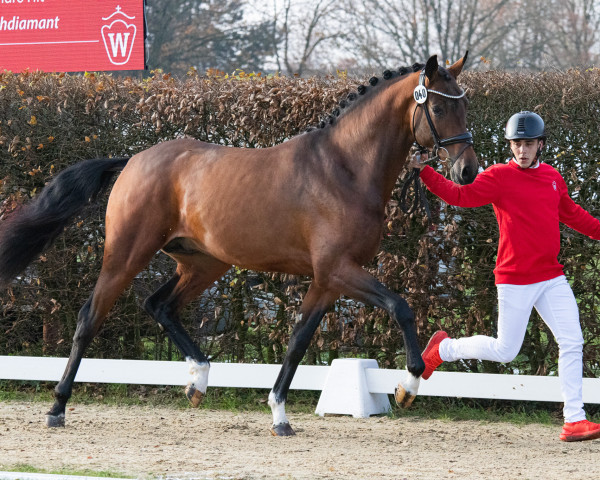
(467,175)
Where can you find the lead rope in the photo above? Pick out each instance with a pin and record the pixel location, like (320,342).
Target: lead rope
(420,199)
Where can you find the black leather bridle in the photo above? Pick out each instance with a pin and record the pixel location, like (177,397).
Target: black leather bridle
(421,97)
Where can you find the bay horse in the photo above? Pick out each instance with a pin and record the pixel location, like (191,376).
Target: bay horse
(313,205)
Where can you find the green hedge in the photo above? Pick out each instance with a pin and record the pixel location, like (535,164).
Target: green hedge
(445,271)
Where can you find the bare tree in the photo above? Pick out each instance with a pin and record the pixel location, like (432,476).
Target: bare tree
(205,34)
(387,31)
(477,25)
(550,34)
(304,36)
(523,47)
(405,30)
(305,29)
(572,37)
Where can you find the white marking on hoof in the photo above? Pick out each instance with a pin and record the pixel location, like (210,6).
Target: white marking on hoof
(199,373)
(406,391)
(411,384)
(278,410)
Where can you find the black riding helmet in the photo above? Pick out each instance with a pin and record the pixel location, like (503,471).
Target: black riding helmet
(525,125)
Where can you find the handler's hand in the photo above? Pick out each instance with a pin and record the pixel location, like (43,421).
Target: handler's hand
(416,161)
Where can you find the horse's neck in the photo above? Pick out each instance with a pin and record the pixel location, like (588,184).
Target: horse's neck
(374,141)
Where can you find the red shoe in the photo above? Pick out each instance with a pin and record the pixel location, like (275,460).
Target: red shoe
(431,354)
(579,431)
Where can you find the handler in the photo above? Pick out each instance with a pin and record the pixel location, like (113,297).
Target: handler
(530,198)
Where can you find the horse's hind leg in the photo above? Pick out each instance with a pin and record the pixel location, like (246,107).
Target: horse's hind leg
(314,306)
(91,316)
(125,255)
(190,279)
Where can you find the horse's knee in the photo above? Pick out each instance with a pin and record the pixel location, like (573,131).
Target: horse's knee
(403,314)
(405,318)
(299,341)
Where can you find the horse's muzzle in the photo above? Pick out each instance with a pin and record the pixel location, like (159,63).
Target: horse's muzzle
(463,174)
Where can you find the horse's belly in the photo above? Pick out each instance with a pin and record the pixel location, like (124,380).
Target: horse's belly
(261,254)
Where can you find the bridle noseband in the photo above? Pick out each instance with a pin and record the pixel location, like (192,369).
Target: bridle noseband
(420,95)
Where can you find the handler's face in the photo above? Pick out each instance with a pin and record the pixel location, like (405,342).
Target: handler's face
(525,151)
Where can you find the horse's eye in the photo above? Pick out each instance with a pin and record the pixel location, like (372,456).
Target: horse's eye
(438,111)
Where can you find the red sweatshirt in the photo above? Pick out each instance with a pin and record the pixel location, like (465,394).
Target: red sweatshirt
(529,204)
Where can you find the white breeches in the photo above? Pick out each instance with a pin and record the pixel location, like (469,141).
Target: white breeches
(555,302)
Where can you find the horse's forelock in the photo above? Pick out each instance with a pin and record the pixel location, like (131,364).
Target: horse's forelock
(417,67)
(445,74)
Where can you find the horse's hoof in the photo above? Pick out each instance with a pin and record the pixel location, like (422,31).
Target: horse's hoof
(194,396)
(53,421)
(403,398)
(282,430)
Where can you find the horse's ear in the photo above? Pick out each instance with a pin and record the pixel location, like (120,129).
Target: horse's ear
(457,67)
(431,67)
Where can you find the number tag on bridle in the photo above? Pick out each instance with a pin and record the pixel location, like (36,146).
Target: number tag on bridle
(420,94)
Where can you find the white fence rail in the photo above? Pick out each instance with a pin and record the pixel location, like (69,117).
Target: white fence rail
(359,376)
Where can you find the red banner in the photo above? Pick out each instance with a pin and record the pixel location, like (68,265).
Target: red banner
(71,35)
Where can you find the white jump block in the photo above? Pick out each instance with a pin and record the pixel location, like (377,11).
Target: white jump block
(346,391)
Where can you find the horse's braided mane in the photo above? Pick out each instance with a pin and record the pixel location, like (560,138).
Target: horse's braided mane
(354,98)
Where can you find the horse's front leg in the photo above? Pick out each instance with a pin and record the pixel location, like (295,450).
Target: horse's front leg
(354,282)
(316,303)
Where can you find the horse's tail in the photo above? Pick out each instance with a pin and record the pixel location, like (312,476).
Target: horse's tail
(33,227)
